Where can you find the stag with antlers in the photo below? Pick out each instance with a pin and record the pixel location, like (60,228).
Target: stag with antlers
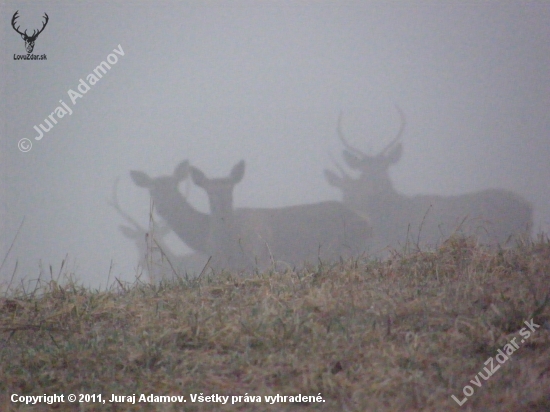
(493,215)
(29,40)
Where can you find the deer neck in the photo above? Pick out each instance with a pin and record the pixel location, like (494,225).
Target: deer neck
(382,204)
(189,224)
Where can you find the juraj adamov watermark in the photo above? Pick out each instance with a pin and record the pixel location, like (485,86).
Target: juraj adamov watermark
(501,357)
(84,86)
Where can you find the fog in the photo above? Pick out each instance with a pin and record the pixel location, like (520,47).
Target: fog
(216,82)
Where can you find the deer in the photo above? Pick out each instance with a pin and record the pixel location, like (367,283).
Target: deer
(155,256)
(191,225)
(29,40)
(493,216)
(247,239)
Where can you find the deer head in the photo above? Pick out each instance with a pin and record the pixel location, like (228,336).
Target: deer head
(374,177)
(220,190)
(29,40)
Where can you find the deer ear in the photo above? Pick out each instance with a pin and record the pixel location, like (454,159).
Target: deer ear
(141,179)
(197,177)
(394,156)
(333,179)
(237,173)
(182,171)
(352,161)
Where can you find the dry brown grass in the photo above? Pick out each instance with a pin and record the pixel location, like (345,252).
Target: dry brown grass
(399,335)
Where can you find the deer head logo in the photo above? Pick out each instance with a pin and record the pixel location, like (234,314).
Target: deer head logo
(29,40)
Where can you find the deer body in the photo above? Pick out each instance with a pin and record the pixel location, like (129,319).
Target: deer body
(323,231)
(493,215)
(247,238)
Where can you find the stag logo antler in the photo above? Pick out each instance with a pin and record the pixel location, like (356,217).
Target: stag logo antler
(29,40)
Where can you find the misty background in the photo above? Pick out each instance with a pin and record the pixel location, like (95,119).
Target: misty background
(215,82)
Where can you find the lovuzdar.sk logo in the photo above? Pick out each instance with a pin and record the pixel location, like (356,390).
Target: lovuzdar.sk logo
(29,39)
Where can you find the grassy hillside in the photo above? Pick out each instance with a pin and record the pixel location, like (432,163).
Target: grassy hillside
(404,334)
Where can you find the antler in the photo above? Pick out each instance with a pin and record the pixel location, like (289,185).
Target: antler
(15,17)
(34,33)
(401,129)
(43,26)
(161,231)
(116,206)
(343,139)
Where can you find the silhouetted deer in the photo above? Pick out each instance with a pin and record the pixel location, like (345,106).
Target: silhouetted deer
(493,215)
(155,256)
(189,224)
(247,239)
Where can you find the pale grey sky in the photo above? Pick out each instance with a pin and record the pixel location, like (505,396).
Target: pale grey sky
(215,82)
